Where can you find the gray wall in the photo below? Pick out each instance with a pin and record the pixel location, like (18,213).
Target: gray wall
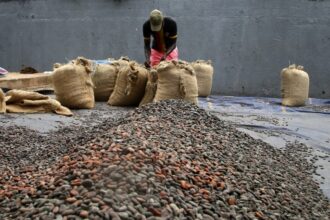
(249,41)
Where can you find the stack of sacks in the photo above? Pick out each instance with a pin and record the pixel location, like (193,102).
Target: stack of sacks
(73,84)
(130,84)
(294,86)
(176,80)
(105,75)
(204,73)
(151,88)
(19,101)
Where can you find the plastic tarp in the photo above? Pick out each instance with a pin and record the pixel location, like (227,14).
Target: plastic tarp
(101,61)
(311,122)
(262,105)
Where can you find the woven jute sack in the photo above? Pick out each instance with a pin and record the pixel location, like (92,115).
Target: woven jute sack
(16,96)
(104,80)
(73,84)
(121,63)
(38,106)
(2,102)
(294,86)
(176,80)
(17,108)
(204,73)
(151,87)
(130,85)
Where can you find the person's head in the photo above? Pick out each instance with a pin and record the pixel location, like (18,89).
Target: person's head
(156,20)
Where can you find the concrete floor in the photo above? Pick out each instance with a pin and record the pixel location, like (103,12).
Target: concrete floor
(260,118)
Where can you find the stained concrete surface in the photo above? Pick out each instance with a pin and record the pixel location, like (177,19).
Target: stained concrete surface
(261,121)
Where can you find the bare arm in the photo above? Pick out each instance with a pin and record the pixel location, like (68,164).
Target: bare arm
(147,52)
(172,38)
(169,50)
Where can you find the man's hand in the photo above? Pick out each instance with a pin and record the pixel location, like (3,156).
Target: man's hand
(163,58)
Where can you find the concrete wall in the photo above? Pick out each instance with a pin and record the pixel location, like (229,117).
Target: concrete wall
(249,41)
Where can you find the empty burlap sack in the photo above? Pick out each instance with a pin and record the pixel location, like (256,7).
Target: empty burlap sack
(151,87)
(130,85)
(73,85)
(15,96)
(204,74)
(104,80)
(38,106)
(176,80)
(2,102)
(16,108)
(294,86)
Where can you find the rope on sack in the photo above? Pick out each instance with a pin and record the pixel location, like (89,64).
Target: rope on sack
(132,78)
(153,76)
(89,67)
(300,67)
(209,62)
(153,81)
(294,66)
(182,88)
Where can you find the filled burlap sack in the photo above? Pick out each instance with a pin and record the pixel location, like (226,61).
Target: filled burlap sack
(73,85)
(104,80)
(204,73)
(57,65)
(15,96)
(176,80)
(2,102)
(121,63)
(124,60)
(294,86)
(151,87)
(130,85)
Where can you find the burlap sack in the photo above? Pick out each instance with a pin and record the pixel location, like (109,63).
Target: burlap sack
(121,63)
(2,102)
(151,87)
(48,105)
(73,85)
(130,85)
(294,86)
(16,108)
(38,106)
(57,65)
(104,80)
(176,80)
(15,96)
(62,110)
(124,60)
(204,73)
